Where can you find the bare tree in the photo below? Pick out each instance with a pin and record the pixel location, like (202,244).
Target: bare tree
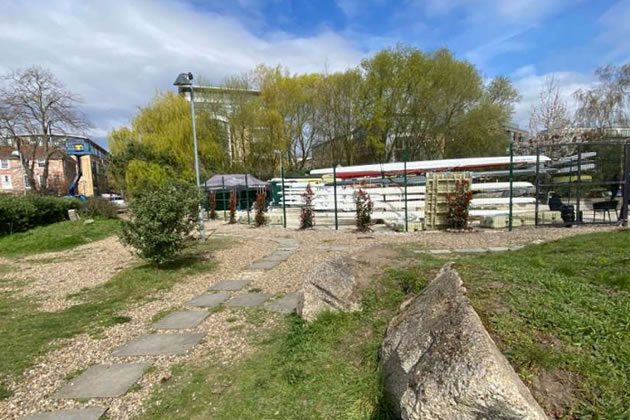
(549,118)
(32,104)
(605,105)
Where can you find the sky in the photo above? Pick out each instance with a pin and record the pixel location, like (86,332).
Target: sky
(116,54)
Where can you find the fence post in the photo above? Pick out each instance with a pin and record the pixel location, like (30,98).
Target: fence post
(626,184)
(284,200)
(537,183)
(247,198)
(335,194)
(405,176)
(224,200)
(578,189)
(511,181)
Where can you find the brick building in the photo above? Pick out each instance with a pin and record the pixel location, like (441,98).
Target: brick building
(62,170)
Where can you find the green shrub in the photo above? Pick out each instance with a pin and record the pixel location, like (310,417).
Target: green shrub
(458,204)
(98,207)
(20,213)
(161,218)
(364,210)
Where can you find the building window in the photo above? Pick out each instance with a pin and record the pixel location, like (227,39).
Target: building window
(40,163)
(6,182)
(27,186)
(4,164)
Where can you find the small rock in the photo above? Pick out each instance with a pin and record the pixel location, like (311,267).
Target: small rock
(166,377)
(88,222)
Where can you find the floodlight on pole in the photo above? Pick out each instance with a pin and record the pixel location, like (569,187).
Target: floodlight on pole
(185,80)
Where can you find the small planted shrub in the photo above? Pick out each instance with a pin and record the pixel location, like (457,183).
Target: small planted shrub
(98,207)
(306,213)
(161,219)
(364,208)
(261,203)
(232,207)
(213,205)
(458,204)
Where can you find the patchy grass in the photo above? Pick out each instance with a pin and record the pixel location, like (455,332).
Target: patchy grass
(56,237)
(27,333)
(560,313)
(324,369)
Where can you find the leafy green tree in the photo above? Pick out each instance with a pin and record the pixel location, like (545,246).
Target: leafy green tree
(161,219)
(159,144)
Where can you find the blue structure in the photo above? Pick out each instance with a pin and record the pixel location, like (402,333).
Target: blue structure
(78,147)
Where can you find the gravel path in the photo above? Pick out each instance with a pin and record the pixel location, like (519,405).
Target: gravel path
(229,334)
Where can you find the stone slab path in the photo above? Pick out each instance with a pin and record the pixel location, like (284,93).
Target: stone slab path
(181,320)
(209,300)
(469,250)
(230,285)
(284,305)
(248,300)
(103,381)
(114,380)
(159,344)
(91,413)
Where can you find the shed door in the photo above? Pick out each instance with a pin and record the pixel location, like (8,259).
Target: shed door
(6,182)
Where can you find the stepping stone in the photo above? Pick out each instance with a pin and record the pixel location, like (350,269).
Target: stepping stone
(285,305)
(91,413)
(278,256)
(333,247)
(209,300)
(516,247)
(471,250)
(498,249)
(158,344)
(439,251)
(103,381)
(179,320)
(263,265)
(247,300)
(230,285)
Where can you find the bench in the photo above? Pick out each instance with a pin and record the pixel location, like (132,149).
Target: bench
(605,207)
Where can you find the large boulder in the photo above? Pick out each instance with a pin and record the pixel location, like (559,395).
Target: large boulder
(439,361)
(336,285)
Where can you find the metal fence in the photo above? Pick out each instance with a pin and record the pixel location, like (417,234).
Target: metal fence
(588,182)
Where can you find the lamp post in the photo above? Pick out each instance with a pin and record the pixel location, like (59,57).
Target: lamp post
(185,80)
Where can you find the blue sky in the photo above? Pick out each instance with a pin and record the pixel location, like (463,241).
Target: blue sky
(116,54)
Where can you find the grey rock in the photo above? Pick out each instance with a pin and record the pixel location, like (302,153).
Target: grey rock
(331,286)
(90,413)
(439,251)
(230,285)
(88,222)
(248,300)
(158,344)
(285,305)
(471,250)
(209,300)
(516,247)
(278,256)
(180,320)
(73,215)
(439,362)
(498,249)
(102,381)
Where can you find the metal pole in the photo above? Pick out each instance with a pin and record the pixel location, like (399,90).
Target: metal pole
(284,205)
(626,184)
(335,194)
(224,200)
(537,183)
(511,181)
(247,198)
(202,230)
(578,188)
(406,217)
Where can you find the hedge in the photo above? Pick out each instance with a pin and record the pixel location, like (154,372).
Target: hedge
(20,213)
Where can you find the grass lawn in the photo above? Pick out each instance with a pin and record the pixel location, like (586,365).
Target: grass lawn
(560,312)
(325,369)
(56,237)
(26,332)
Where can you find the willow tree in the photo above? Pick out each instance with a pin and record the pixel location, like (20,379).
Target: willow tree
(159,144)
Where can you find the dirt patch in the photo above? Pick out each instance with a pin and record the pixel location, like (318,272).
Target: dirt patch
(555,390)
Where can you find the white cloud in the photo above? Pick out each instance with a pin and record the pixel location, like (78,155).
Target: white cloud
(529,84)
(116,53)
